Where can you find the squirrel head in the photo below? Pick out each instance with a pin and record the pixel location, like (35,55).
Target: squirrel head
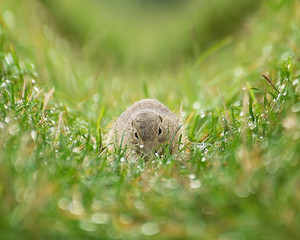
(147,132)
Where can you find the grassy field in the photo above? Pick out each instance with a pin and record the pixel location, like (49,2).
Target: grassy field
(63,80)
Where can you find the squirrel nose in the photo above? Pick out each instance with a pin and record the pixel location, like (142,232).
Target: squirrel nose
(149,147)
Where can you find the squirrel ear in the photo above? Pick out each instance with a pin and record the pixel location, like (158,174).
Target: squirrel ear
(160,117)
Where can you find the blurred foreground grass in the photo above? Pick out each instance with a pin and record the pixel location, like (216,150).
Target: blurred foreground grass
(240,178)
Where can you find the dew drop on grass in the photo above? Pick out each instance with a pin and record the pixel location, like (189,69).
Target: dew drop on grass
(201,146)
(33,135)
(183,114)
(13,130)
(29,195)
(100,218)
(192,176)
(87,225)
(195,183)
(96,97)
(138,204)
(242,192)
(9,59)
(196,105)
(76,150)
(150,228)
(273,166)
(251,125)
(63,203)
(96,205)
(76,208)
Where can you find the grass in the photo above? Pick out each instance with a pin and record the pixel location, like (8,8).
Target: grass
(238,180)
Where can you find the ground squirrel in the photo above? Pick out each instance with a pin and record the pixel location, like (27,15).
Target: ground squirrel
(147,127)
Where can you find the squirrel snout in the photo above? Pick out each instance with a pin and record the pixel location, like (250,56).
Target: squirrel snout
(148,147)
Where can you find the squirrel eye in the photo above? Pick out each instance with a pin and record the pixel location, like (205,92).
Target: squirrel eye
(136,134)
(159,131)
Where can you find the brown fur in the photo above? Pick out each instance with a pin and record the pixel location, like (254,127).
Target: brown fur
(145,128)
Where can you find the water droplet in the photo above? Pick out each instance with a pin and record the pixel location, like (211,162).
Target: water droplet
(76,208)
(192,176)
(13,130)
(96,97)
(251,125)
(195,183)
(33,135)
(242,192)
(7,119)
(76,150)
(196,105)
(201,146)
(139,204)
(96,205)
(87,225)
(100,218)
(150,228)
(29,195)
(63,203)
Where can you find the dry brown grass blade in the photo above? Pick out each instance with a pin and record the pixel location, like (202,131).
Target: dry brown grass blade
(46,100)
(269,81)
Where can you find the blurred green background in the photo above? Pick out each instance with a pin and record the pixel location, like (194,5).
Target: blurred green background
(127,50)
